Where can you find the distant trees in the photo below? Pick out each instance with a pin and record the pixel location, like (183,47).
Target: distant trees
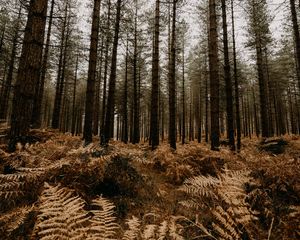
(259,39)
(141,80)
(109,115)
(228,81)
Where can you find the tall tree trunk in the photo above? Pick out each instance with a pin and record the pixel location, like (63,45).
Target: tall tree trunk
(97,93)
(229,97)
(136,119)
(236,83)
(29,69)
(109,117)
(90,91)
(296,38)
(107,43)
(74,96)
(59,80)
(125,99)
(206,104)
(183,96)
(262,91)
(214,75)
(154,126)
(37,105)
(6,91)
(2,39)
(172,82)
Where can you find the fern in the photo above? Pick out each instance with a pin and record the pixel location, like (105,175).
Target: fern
(134,227)
(167,229)
(62,215)
(229,212)
(103,222)
(13,187)
(14,220)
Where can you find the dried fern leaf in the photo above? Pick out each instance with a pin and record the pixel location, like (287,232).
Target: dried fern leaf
(133,232)
(62,214)
(13,220)
(104,224)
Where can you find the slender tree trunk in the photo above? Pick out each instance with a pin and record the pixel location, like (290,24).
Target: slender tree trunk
(2,39)
(236,83)
(296,38)
(106,66)
(74,97)
(229,97)
(59,81)
(97,94)
(90,91)
(206,105)
(136,120)
(37,106)
(109,118)
(6,91)
(29,69)
(125,100)
(154,126)
(172,82)
(214,75)
(183,96)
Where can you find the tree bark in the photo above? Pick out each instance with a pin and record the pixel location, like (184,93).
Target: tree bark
(109,117)
(29,69)
(154,126)
(236,84)
(172,82)
(37,105)
(59,80)
(214,75)
(90,91)
(227,73)
(136,117)
(296,38)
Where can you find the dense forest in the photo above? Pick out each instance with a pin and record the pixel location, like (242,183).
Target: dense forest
(134,119)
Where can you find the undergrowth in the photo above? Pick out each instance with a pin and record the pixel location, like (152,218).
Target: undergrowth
(59,189)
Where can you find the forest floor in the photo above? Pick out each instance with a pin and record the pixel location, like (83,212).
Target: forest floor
(54,188)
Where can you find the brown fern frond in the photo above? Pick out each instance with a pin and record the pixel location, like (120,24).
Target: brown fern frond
(225,225)
(200,186)
(14,220)
(14,187)
(133,230)
(175,230)
(61,215)
(149,232)
(103,222)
